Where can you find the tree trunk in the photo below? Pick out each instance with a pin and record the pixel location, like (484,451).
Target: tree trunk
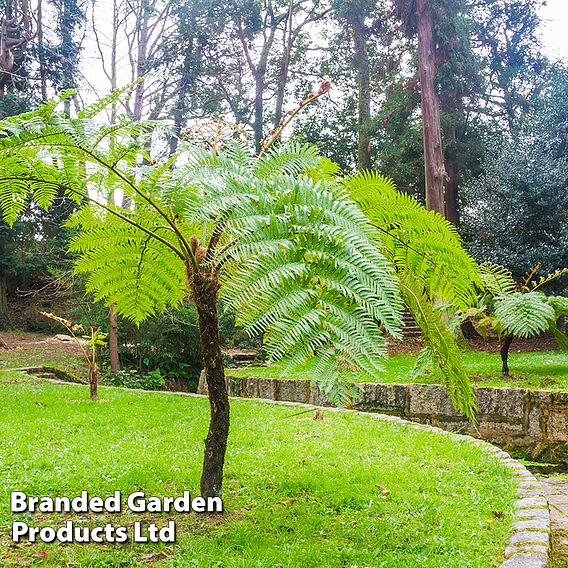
(452,193)
(5,322)
(364,94)
(94,382)
(507,340)
(113,340)
(435,172)
(258,110)
(288,41)
(205,287)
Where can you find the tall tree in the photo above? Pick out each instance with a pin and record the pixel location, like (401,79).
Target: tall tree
(419,19)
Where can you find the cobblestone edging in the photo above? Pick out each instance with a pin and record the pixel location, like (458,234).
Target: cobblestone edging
(529,544)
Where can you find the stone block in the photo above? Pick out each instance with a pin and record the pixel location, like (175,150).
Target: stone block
(557,424)
(532,503)
(532,525)
(251,387)
(503,403)
(526,538)
(266,388)
(379,397)
(318,398)
(430,400)
(293,391)
(526,560)
(202,384)
(535,427)
(560,398)
(234,386)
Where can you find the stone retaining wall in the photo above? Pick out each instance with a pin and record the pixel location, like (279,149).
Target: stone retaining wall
(534,422)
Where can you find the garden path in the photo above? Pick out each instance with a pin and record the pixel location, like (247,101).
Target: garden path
(556,490)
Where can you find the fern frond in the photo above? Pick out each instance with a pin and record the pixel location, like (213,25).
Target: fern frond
(420,243)
(524,315)
(497,279)
(442,349)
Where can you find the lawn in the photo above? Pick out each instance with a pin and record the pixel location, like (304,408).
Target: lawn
(534,370)
(346,491)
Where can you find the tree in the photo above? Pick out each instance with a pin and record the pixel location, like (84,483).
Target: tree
(515,209)
(292,250)
(419,15)
(518,309)
(276,234)
(89,348)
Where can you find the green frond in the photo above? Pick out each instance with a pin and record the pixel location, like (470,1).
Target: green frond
(419,242)
(288,159)
(497,279)
(125,266)
(524,315)
(441,347)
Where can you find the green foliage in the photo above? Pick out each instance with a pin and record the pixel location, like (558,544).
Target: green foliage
(132,379)
(419,242)
(515,210)
(524,315)
(433,269)
(298,258)
(519,309)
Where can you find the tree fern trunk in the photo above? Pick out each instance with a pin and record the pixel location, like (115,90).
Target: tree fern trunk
(205,287)
(507,340)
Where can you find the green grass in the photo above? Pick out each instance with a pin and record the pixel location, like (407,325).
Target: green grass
(346,491)
(534,370)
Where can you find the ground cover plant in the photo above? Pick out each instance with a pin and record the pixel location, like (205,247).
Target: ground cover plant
(348,490)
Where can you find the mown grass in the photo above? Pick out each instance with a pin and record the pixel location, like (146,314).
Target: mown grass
(534,370)
(349,490)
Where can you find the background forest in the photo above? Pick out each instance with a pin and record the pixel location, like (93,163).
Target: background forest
(500,109)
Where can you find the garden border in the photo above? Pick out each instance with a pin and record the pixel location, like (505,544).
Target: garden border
(529,544)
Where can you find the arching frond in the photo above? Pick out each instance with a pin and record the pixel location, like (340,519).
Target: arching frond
(419,242)
(497,279)
(441,348)
(524,315)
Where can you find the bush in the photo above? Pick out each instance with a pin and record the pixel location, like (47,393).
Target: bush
(132,379)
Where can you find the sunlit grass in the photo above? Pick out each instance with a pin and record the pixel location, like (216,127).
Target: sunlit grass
(349,490)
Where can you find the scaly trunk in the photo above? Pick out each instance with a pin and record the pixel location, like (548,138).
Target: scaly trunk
(113,340)
(433,155)
(507,340)
(205,287)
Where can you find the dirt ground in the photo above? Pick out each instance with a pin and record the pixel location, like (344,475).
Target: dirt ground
(545,342)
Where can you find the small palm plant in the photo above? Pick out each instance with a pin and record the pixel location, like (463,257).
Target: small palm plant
(518,309)
(89,348)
